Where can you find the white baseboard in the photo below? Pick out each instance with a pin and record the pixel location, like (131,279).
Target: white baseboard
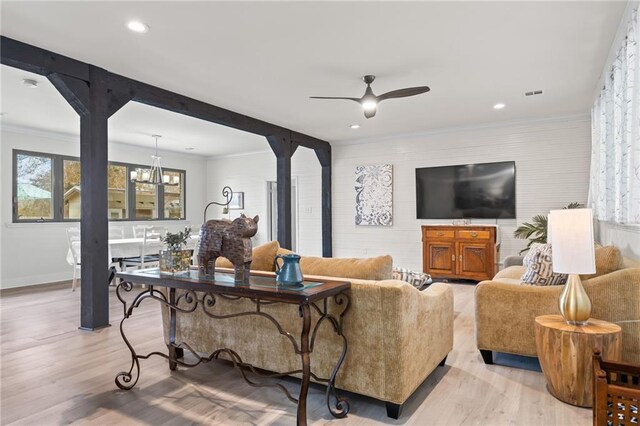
(36,280)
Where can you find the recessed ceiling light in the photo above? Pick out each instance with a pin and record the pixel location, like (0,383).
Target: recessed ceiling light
(30,83)
(354,126)
(499,106)
(138,27)
(189,148)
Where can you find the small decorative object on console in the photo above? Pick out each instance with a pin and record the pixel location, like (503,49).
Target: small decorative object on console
(289,273)
(175,259)
(228,239)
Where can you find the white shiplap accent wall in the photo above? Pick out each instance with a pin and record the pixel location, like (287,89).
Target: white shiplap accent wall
(250,174)
(552,169)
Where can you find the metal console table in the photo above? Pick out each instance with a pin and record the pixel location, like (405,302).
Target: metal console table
(199,291)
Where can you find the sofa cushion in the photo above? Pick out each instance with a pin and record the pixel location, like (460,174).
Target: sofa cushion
(540,268)
(373,268)
(283,251)
(532,250)
(416,279)
(262,257)
(608,259)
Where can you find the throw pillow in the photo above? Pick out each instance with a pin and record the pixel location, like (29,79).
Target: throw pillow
(608,259)
(416,279)
(533,249)
(372,268)
(262,258)
(540,268)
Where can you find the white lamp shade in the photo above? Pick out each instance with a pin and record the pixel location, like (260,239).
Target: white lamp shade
(570,232)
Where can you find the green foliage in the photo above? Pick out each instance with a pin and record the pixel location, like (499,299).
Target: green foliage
(536,230)
(177,240)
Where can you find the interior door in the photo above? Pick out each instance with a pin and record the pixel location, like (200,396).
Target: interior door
(440,258)
(272,200)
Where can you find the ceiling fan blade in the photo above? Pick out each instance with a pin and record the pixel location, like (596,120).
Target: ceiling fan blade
(370,113)
(335,97)
(403,93)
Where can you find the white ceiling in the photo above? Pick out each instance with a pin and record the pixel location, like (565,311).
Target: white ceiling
(45,109)
(264,59)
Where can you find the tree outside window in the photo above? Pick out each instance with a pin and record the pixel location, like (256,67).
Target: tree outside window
(34,187)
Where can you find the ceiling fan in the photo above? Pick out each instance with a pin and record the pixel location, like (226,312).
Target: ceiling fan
(370,102)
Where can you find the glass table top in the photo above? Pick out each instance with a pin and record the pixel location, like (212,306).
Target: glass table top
(225,279)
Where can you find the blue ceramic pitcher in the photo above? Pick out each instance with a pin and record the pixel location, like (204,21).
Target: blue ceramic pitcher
(289,273)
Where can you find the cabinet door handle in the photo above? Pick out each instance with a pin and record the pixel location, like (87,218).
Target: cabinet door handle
(460,258)
(474,234)
(440,234)
(453,257)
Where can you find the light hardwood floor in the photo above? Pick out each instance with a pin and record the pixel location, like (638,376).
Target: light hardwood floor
(53,373)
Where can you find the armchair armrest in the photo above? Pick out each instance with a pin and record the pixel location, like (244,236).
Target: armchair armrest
(505,315)
(512,261)
(417,334)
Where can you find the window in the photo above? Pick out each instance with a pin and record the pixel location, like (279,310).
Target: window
(33,187)
(71,189)
(47,187)
(173,196)
(146,200)
(117,184)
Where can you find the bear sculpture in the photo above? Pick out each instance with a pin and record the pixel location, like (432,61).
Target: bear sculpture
(230,239)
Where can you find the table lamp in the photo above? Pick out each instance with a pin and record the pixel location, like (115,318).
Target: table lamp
(570,232)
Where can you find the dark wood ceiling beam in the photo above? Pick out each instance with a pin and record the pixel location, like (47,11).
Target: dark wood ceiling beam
(74,90)
(40,61)
(282,148)
(94,102)
(324,156)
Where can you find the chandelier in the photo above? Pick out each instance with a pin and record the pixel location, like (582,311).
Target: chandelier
(154,175)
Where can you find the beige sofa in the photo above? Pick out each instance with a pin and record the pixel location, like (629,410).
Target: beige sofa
(506,310)
(396,334)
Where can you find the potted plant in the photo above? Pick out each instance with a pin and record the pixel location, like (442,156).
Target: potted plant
(175,259)
(536,230)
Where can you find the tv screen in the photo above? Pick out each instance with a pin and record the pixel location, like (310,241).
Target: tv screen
(485,190)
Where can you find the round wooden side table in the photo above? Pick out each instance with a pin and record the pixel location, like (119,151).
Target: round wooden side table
(565,352)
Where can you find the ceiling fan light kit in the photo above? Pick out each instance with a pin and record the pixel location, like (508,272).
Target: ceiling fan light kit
(369,101)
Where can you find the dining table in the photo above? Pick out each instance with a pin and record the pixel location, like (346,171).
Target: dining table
(122,248)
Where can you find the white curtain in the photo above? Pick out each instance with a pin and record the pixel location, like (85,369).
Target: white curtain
(614,191)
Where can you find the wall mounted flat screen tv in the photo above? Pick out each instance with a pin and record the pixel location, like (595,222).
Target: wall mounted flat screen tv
(485,190)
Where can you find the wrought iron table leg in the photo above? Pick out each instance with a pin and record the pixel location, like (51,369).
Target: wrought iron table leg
(173,355)
(341,404)
(125,379)
(306,364)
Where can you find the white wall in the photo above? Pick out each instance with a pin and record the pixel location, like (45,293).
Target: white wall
(35,253)
(552,169)
(250,174)
(625,237)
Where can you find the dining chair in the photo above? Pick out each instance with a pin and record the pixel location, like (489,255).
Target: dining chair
(73,239)
(73,256)
(138,231)
(151,235)
(116,232)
